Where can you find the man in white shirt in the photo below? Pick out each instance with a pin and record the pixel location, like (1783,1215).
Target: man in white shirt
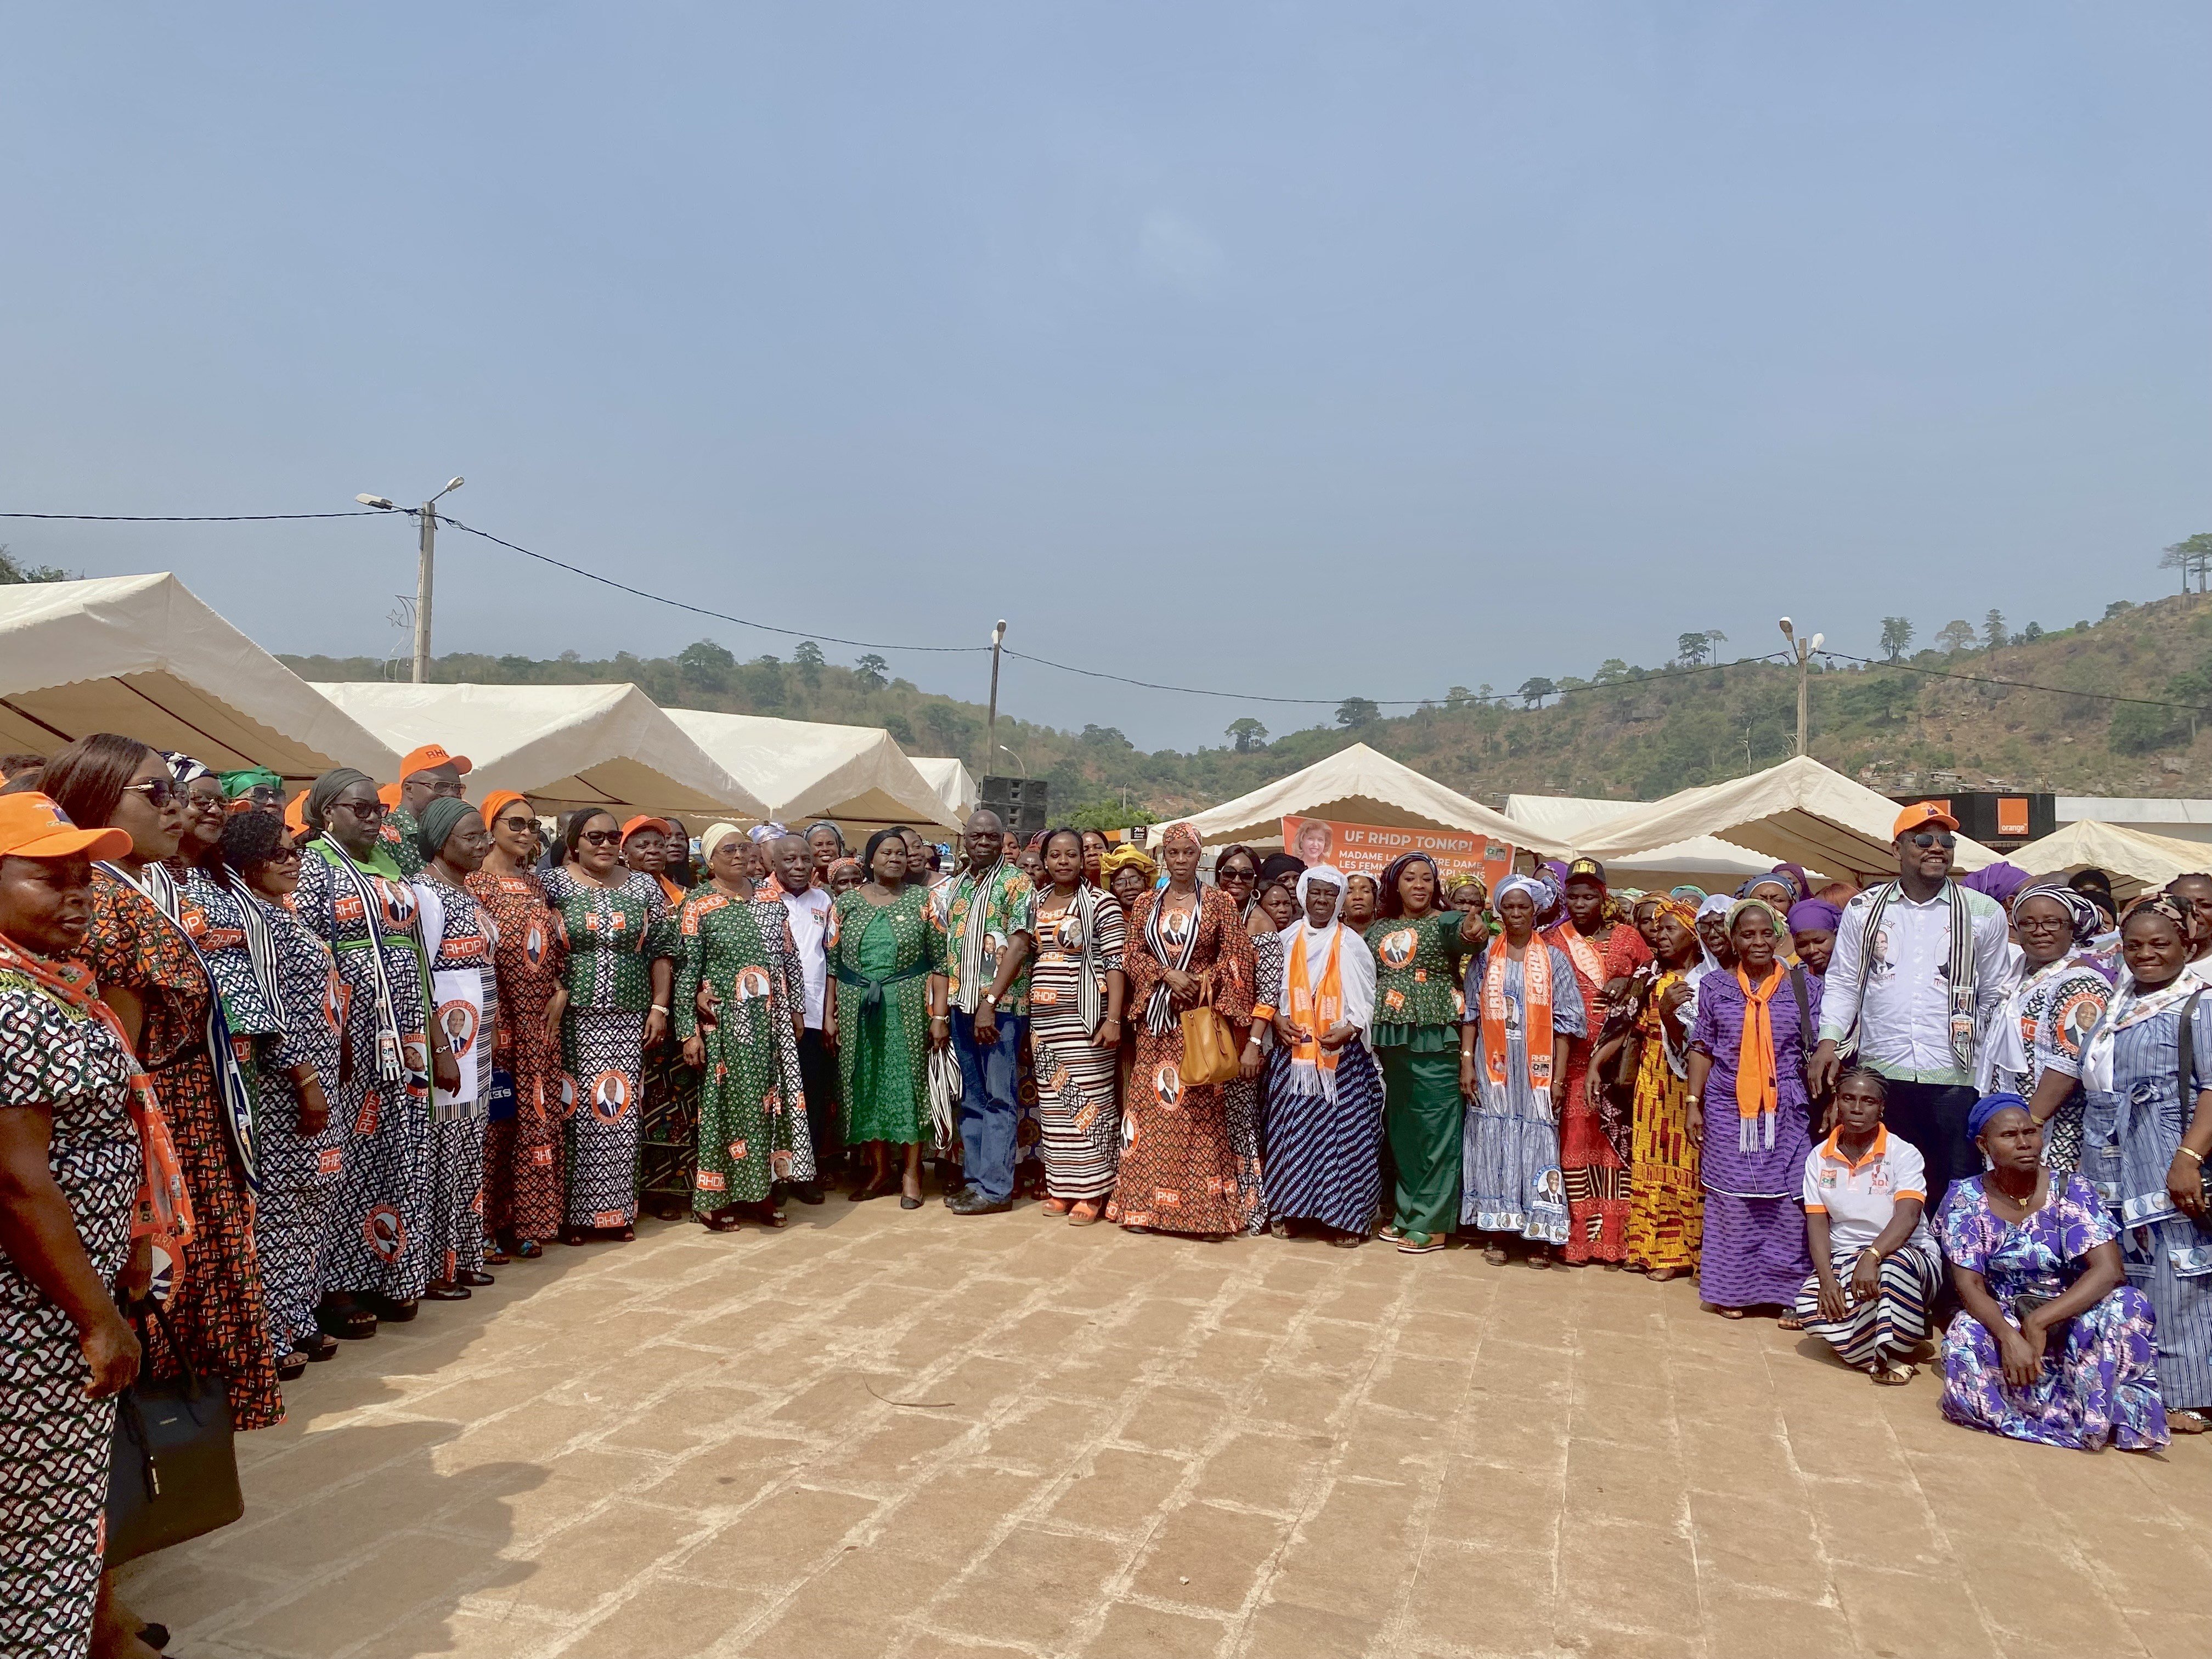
(1918,969)
(792,861)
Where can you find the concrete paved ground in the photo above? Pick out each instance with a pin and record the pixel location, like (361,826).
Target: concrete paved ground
(909,1435)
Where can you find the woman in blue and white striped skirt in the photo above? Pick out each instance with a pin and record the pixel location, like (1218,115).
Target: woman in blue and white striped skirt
(1324,1090)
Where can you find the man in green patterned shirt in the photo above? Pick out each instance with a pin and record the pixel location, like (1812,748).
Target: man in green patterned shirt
(425,774)
(990,937)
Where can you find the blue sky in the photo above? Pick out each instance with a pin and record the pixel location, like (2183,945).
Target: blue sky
(1280,349)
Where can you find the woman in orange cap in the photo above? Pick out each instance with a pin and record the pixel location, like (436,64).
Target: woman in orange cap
(70,1151)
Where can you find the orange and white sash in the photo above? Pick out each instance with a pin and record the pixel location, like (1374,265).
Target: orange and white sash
(1536,1013)
(1314,1009)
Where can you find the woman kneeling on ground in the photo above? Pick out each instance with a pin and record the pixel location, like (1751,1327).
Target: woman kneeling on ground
(1875,1269)
(2052,1345)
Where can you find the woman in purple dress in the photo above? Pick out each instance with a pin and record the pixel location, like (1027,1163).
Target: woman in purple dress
(2052,1344)
(1749,1117)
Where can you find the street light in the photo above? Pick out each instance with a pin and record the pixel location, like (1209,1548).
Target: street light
(1805,648)
(1018,761)
(426,518)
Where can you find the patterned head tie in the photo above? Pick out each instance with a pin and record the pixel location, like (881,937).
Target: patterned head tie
(2079,910)
(1179,834)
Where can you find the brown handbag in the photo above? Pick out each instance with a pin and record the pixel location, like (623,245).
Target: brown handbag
(1209,1048)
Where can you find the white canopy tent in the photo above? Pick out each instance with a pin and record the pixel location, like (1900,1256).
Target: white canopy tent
(854,775)
(954,783)
(1704,861)
(2133,860)
(142,656)
(1360,785)
(1799,812)
(564,746)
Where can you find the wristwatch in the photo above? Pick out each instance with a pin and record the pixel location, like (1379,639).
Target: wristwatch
(990,997)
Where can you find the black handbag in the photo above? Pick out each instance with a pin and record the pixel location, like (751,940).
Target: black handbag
(174,1474)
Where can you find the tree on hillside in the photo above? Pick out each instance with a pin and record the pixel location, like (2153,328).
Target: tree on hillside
(707,664)
(1693,649)
(2115,607)
(1956,636)
(1993,629)
(2032,633)
(871,671)
(1535,689)
(1896,635)
(12,570)
(809,658)
(1357,711)
(1612,669)
(1248,735)
(2191,558)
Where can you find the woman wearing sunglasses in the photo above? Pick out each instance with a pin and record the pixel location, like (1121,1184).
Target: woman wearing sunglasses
(523,1153)
(621,951)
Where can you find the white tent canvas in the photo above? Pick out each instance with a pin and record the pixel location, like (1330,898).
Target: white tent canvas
(854,776)
(954,783)
(142,656)
(564,746)
(2132,859)
(1704,861)
(1801,813)
(1360,785)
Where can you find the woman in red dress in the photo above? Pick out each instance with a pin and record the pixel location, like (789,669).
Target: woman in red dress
(1596,1130)
(1179,1169)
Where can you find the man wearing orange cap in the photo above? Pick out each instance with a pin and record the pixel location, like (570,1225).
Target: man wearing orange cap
(1918,971)
(425,774)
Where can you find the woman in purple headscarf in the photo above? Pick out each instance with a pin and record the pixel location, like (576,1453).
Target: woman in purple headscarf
(1813,932)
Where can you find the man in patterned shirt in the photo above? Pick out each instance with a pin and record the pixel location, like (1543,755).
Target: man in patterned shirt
(990,937)
(425,774)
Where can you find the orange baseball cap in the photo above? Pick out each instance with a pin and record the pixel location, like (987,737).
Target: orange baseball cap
(641,822)
(1919,816)
(429,756)
(389,794)
(33,827)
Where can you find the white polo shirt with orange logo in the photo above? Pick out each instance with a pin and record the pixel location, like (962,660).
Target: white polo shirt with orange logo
(1859,1199)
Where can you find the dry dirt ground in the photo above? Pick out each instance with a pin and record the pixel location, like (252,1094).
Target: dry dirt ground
(894,1434)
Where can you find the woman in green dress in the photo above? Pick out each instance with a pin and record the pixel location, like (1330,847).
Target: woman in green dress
(887,955)
(751,1094)
(1419,949)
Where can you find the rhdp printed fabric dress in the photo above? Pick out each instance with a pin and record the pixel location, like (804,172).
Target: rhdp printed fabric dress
(1418,1008)
(1325,1110)
(1596,1142)
(752,1104)
(522,1138)
(614,935)
(465,991)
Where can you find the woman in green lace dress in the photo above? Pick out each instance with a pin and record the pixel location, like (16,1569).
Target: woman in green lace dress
(751,1094)
(887,956)
(1418,950)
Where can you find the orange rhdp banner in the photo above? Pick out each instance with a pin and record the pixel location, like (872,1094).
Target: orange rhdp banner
(1366,849)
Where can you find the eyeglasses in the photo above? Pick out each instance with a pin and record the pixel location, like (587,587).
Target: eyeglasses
(518,824)
(158,792)
(449,788)
(1926,838)
(369,811)
(283,855)
(602,837)
(1237,875)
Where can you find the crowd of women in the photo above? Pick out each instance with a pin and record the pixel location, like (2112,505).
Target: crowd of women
(287,1070)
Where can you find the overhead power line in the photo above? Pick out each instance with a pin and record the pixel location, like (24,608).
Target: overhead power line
(193,518)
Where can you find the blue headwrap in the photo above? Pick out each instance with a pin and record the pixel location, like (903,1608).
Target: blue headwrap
(1987,1108)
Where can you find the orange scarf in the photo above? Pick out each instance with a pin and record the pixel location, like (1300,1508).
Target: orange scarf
(1317,1009)
(163,1210)
(1581,951)
(1757,1094)
(1536,1011)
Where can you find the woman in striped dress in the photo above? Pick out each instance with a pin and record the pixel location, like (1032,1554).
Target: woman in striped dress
(1324,1090)
(1076,986)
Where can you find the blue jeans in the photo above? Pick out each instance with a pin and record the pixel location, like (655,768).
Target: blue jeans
(990,1104)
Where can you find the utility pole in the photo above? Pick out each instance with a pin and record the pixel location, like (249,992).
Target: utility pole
(426,556)
(991,721)
(428,516)
(1805,648)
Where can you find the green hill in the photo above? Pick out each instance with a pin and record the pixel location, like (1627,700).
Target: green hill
(1627,733)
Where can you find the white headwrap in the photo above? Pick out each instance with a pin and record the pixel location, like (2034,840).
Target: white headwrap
(1322,872)
(714,835)
(1539,892)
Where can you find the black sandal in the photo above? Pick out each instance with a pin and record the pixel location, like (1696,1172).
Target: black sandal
(528,1249)
(292,1367)
(345,1319)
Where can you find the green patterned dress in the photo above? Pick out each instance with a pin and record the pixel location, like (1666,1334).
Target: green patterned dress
(883,1043)
(1417,1013)
(752,1106)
